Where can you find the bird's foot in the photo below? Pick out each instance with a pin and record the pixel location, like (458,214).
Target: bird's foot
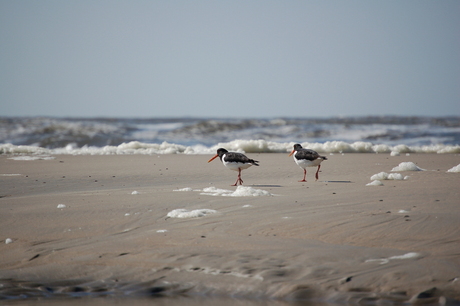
(239,181)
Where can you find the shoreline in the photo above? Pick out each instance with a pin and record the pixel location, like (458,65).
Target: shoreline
(335,239)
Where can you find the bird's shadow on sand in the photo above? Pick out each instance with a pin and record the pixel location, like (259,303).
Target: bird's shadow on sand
(266,186)
(337,181)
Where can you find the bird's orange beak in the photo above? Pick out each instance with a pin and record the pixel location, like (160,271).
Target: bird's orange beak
(214,157)
(291,152)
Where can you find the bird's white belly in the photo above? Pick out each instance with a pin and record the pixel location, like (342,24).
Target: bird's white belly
(304,163)
(235,165)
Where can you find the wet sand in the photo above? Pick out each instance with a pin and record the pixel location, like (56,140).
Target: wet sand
(331,240)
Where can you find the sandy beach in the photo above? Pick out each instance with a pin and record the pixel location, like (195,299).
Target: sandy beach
(99,224)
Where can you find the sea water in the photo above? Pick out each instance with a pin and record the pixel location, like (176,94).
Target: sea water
(103,136)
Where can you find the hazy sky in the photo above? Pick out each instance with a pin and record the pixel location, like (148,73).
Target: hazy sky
(229,58)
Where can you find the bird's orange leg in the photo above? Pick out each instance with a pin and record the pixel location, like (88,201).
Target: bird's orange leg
(319,166)
(238,180)
(304,175)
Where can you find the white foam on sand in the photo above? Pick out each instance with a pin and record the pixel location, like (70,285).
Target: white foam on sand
(406,256)
(375,183)
(241,191)
(213,191)
(184,213)
(184,189)
(407,166)
(454,169)
(387,260)
(386,176)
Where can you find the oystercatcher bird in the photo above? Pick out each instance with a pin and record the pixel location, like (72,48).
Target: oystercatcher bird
(234,161)
(307,158)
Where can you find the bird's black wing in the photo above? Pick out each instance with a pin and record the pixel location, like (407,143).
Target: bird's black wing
(306,154)
(239,158)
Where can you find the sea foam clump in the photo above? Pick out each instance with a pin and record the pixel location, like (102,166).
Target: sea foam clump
(375,183)
(407,166)
(454,169)
(213,191)
(411,255)
(386,176)
(184,189)
(184,213)
(241,191)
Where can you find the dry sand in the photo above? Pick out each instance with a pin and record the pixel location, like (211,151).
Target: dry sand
(334,239)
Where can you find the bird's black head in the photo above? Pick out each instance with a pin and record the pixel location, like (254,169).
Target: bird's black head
(221,152)
(297,147)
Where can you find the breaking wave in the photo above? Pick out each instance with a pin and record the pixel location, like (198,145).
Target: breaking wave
(99,136)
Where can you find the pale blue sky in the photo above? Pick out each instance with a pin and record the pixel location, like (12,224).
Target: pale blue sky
(229,58)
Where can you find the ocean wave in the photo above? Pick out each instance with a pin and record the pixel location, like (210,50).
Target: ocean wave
(56,133)
(244,146)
